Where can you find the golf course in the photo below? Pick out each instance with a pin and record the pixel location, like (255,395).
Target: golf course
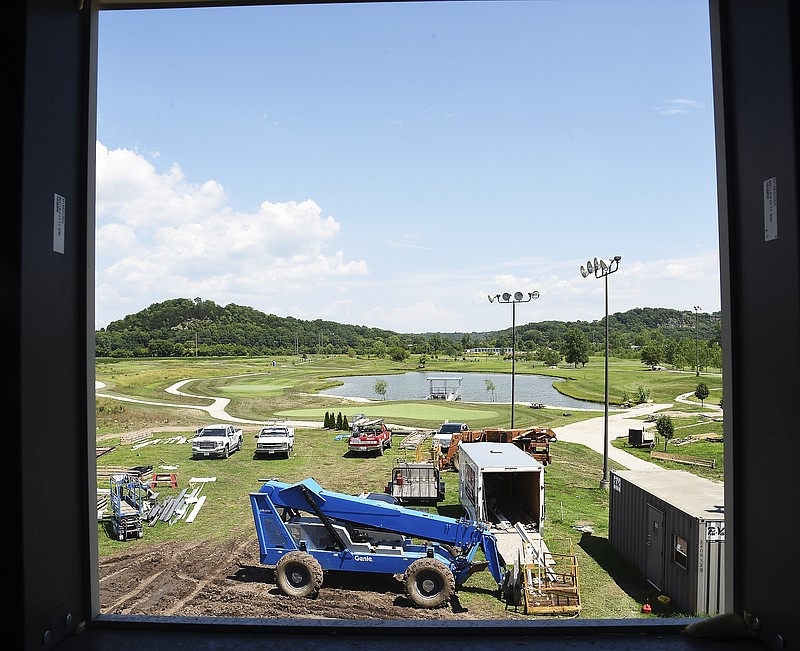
(166,400)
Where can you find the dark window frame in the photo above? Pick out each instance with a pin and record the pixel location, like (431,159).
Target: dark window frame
(50,150)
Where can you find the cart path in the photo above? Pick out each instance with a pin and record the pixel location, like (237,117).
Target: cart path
(590,433)
(216,409)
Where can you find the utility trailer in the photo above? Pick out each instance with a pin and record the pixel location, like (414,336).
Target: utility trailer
(498,482)
(641,438)
(416,482)
(534,441)
(304,530)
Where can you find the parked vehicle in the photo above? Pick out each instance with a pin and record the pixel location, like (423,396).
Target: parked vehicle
(304,530)
(444,436)
(274,440)
(216,441)
(369,436)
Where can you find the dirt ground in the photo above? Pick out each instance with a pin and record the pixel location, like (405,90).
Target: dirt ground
(226,580)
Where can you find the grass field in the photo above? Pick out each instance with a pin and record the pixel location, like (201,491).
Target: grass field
(611,588)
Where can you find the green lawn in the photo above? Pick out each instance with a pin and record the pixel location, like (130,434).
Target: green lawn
(259,390)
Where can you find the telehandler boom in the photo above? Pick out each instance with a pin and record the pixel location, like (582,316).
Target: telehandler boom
(304,530)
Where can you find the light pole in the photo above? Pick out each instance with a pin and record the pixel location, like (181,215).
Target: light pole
(516,297)
(603,269)
(697,309)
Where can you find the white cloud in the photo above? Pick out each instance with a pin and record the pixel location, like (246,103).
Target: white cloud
(160,237)
(678,106)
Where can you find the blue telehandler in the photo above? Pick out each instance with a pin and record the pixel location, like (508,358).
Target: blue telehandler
(304,530)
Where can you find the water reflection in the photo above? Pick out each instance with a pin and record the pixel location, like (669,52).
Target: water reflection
(415,386)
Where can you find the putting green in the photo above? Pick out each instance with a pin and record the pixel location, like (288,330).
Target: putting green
(423,411)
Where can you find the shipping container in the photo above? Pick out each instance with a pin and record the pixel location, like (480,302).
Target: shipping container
(671,525)
(498,482)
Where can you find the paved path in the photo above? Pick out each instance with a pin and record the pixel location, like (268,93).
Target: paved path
(590,433)
(216,409)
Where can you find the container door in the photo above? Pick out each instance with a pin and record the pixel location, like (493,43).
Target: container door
(654,554)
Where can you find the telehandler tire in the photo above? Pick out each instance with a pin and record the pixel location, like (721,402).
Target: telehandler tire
(429,583)
(299,575)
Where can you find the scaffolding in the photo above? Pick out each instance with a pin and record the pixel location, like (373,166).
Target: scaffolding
(550,580)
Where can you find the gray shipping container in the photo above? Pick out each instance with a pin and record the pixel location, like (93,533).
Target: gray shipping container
(671,525)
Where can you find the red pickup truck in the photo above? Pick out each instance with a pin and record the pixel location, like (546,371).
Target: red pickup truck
(369,436)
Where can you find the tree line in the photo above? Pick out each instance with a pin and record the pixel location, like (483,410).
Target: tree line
(185,327)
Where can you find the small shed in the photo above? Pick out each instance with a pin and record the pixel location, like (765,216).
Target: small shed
(671,525)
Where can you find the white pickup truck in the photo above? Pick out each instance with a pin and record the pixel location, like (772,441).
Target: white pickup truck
(274,440)
(216,441)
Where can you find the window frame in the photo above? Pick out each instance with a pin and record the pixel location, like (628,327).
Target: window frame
(53,149)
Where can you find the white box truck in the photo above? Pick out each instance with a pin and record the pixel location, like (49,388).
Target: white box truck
(498,482)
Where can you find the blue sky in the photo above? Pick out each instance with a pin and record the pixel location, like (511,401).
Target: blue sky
(391,165)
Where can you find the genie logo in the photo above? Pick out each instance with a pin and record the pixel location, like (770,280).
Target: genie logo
(362,558)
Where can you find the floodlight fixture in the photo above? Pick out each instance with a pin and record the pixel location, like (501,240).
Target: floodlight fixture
(516,297)
(602,269)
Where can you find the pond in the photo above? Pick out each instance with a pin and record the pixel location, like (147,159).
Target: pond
(416,386)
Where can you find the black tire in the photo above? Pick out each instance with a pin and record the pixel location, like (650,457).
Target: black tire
(226,453)
(298,575)
(456,461)
(429,583)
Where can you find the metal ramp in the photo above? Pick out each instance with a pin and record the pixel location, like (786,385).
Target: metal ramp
(546,580)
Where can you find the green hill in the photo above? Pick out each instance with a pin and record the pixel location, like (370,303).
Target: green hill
(187,327)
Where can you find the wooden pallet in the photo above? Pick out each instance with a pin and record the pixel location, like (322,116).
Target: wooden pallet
(677,458)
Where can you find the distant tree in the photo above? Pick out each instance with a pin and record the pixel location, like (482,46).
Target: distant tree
(551,357)
(379,348)
(345,424)
(398,353)
(701,393)
(575,347)
(327,422)
(339,421)
(652,354)
(490,387)
(423,359)
(381,388)
(665,429)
